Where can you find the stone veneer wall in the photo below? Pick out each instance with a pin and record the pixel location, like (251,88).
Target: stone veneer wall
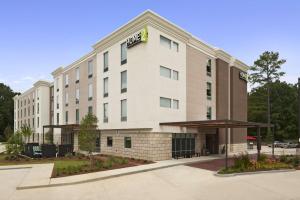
(144,145)
(239,147)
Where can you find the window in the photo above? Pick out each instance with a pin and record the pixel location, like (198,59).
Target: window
(90,92)
(67,99)
(38,109)
(57,118)
(109,141)
(105,112)
(77,116)
(208,112)
(175,104)
(33,122)
(165,102)
(208,90)
(123,81)
(77,75)
(166,72)
(90,109)
(28,111)
(57,104)
(77,96)
(208,67)
(123,53)
(175,46)
(165,42)
(124,110)
(67,117)
(105,87)
(66,80)
(127,142)
(29,122)
(38,122)
(32,109)
(57,87)
(90,68)
(105,61)
(24,112)
(175,75)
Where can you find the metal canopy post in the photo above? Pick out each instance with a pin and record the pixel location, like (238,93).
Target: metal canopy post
(258,142)
(226,148)
(273,140)
(43,135)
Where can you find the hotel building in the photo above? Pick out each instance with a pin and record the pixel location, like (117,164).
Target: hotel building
(145,73)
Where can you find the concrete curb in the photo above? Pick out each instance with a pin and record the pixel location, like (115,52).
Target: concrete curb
(253,173)
(107,177)
(12,168)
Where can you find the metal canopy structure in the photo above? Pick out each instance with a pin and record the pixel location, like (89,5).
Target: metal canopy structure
(224,124)
(66,126)
(217,124)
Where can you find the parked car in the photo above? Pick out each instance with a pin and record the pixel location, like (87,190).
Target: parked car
(276,144)
(290,145)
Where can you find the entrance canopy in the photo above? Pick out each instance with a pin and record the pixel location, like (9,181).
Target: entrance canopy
(225,124)
(217,124)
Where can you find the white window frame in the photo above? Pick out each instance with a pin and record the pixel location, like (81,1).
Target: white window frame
(163,69)
(66,79)
(166,42)
(163,105)
(90,68)
(77,74)
(124,81)
(90,91)
(105,87)
(124,110)
(175,77)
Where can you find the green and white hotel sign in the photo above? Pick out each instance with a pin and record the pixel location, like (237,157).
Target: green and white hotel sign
(141,36)
(244,76)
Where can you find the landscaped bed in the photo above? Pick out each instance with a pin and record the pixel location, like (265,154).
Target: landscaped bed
(244,163)
(78,164)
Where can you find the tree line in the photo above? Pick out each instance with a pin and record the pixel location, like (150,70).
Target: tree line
(272,101)
(6,111)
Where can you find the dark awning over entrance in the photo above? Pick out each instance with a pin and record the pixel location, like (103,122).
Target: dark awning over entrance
(217,124)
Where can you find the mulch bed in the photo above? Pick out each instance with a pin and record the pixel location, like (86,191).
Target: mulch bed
(212,165)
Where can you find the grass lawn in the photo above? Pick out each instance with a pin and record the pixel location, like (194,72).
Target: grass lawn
(66,166)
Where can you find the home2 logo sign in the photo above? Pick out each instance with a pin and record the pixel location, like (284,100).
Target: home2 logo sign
(139,37)
(244,76)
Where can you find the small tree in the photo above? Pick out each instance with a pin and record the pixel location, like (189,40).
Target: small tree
(87,136)
(26,132)
(8,132)
(265,71)
(15,144)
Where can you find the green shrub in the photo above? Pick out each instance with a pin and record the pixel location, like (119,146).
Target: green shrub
(80,155)
(99,164)
(108,164)
(295,161)
(69,155)
(262,158)
(242,162)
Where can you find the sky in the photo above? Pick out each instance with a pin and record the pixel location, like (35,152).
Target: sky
(38,36)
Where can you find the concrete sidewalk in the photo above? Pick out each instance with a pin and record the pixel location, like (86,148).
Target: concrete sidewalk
(40,176)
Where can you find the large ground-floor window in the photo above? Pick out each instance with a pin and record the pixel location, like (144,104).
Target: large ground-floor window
(183,145)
